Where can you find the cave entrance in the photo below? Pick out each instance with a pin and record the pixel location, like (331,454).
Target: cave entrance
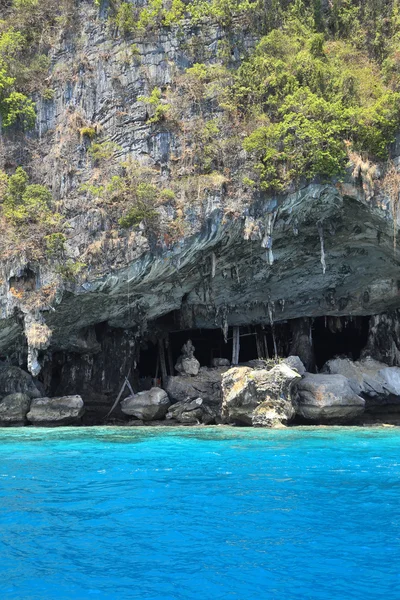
(255,342)
(339,336)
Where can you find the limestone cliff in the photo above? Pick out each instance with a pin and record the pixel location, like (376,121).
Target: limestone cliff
(211,251)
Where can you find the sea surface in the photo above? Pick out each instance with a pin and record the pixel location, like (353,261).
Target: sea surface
(199,513)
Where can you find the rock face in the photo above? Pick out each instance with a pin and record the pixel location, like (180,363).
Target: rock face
(328,399)
(151,405)
(377,383)
(228,257)
(14,379)
(13,410)
(262,398)
(206,385)
(47,412)
(187,364)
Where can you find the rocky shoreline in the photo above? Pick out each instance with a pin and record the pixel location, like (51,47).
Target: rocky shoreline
(261,393)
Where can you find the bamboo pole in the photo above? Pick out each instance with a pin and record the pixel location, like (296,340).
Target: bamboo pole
(236,345)
(161,350)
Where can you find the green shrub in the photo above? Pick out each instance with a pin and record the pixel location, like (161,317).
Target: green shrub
(103,151)
(71,270)
(26,203)
(307,96)
(155,102)
(88,131)
(55,244)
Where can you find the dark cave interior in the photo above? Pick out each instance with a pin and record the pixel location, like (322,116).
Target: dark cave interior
(102,373)
(331,336)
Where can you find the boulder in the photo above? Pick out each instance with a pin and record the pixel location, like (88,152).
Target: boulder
(328,399)
(193,411)
(206,385)
(220,362)
(188,411)
(259,397)
(295,363)
(15,380)
(48,412)
(13,410)
(377,383)
(150,405)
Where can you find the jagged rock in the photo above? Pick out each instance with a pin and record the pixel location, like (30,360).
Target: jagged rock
(328,398)
(189,411)
(206,385)
(150,405)
(13,410)
(377,383)
(15,380)
(220,362)
(47,412)
(187,364)
(262,398)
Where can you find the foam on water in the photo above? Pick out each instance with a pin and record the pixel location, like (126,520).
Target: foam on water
(212,513)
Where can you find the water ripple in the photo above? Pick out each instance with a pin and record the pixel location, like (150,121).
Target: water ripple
(202,513)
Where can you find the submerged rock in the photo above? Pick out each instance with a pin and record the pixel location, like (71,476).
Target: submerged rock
(147,406)
(13,410)
(262,398)
(47,412)
(328,398)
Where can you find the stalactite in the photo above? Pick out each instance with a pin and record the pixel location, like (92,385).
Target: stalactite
(271,320)
(213,265)
(267,241)
(321,238)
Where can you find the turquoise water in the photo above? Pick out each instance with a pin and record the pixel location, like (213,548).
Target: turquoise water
(208,514)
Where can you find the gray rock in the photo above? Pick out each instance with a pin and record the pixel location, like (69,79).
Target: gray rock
(150,405)
(189,411)
(373,380)
(220,362)
(13,410)
(15,380)
(47,412)
(187,364)
(262,398)
(295,363)
(328,399)
(206,385)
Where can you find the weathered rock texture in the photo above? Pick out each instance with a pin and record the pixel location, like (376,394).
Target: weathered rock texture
(229,257)
(48,412)
(187,363)
(14,379)
(13,410)
(192,412)
(206,385)
(147,406)
(373,380)
(328,399)
(259,397)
